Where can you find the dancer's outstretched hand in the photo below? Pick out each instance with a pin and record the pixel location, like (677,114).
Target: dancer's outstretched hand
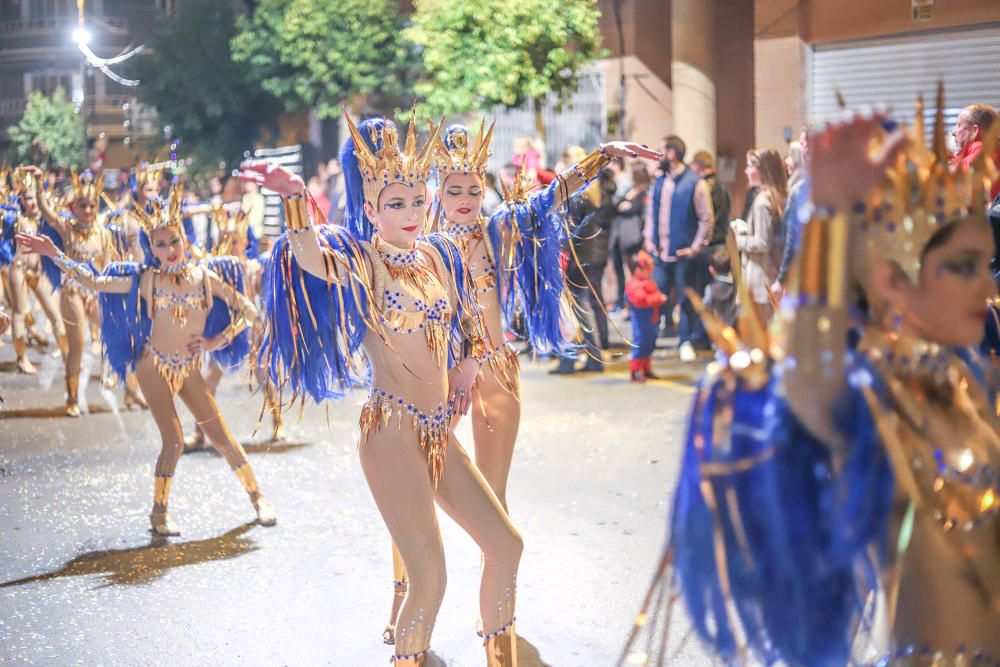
(842,167)
(36,244)
(272,176)
(627,149)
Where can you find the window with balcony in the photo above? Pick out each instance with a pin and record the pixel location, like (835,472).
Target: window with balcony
(45,9)
(48,82)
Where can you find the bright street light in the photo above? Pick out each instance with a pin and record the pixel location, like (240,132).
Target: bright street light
(81,36)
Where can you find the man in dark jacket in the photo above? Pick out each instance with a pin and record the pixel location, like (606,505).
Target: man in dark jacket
(703,164)
(679,222)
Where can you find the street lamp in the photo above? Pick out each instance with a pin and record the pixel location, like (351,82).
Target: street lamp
(81,37)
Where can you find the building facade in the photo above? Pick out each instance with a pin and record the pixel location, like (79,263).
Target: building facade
(38,53)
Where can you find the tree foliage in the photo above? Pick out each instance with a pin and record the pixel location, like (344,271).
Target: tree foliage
(323,54)
(481,53)
(213,103)
(49,134)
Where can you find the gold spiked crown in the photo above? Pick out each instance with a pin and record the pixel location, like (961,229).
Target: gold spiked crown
(232,230)
(161,213)
(455,154)
(146,174)
(87,186)
(520,190)
(921,195)
(389,164)
(22,180)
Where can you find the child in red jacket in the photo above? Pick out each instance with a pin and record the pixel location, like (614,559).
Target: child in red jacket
(644,301)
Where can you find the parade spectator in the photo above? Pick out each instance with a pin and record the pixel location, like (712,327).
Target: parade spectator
(678,223)
(626,232)
(795,214)
(794,163)
(528,155)
(644,300)
(758,238)
(335,191)
(704,165)
(253,206)
(720,294)
(318,192)
(971,127)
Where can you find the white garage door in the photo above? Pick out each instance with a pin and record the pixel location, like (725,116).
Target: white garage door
(894,70)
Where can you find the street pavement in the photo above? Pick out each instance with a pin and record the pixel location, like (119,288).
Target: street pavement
(83,583)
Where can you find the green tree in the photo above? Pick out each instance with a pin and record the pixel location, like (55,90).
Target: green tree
(214,104)
(50,134)
(478,54)
(325,54)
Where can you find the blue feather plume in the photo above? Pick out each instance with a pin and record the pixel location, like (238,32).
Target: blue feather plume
(313,327)
(230,270)
(125,323)
(796,534)
(355,219)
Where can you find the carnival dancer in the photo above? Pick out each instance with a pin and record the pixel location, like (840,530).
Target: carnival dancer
(819,477)
(85,237)
(513,259)
(157,320)
(25,275)
(379,284)
(235,239)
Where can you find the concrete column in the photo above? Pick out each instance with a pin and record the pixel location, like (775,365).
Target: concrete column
(693,72)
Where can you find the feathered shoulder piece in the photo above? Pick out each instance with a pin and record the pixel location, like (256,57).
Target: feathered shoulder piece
(315,326)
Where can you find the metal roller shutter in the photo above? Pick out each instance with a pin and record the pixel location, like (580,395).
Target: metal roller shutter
(894,70)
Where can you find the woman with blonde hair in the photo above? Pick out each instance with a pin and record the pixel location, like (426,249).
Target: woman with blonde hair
(759,238)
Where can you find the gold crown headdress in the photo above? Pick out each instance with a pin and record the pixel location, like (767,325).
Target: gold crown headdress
(87,186)
(921,195)
(389,165)
(161,213)
(5,185)
(520,189)
(456,155)
(146,174)
(22,180)
(233,230)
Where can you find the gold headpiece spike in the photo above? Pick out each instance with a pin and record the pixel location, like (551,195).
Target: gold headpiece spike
(23,180)
(424,159)
(484,146)
(411,133)
(176,201)
(76,179)
(360,147)
(504,191)
(939,146)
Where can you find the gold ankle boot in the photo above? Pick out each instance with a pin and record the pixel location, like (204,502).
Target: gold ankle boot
(72,386)
(265,513)
(501,647)
(414,660)
(24,364)
(158,521)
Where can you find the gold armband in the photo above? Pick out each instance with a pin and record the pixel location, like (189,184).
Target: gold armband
(296,213)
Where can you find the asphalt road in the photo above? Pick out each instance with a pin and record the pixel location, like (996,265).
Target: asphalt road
(83,583)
